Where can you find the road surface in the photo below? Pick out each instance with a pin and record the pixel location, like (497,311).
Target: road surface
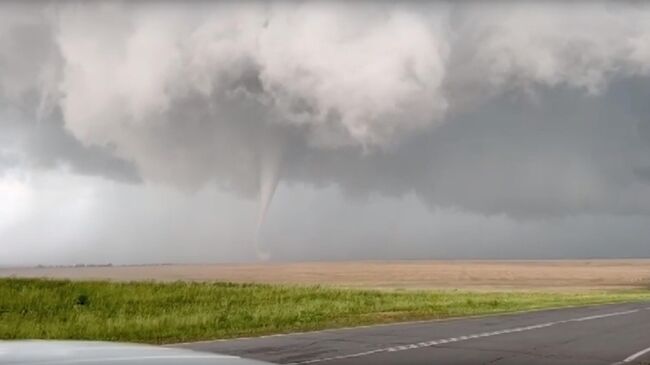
(607,334)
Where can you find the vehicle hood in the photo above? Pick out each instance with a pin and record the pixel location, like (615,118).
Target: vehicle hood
(107,353)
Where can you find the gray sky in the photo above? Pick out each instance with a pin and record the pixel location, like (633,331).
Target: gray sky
(154,132)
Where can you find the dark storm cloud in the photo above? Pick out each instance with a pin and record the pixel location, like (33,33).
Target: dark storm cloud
(28,141)
(49,145)
(32,131)
(561,152)
(529,110)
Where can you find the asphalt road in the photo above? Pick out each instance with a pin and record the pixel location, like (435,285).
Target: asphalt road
(608,334)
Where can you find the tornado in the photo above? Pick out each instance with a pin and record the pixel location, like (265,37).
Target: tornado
(269,174)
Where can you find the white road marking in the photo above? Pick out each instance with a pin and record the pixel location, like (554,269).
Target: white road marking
(432,343)
(635,355)
(425,321)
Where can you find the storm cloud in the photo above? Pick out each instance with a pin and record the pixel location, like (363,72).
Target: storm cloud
(527,112)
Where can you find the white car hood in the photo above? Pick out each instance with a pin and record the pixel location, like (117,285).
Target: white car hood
(107,353)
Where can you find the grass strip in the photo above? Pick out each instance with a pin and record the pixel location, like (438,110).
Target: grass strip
(152,312)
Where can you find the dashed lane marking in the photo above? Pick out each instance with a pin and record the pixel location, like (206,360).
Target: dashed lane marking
(437,342)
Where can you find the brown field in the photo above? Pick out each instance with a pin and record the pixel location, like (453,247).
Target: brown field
(560,275)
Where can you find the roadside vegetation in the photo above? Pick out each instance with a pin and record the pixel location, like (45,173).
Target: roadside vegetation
(177,312)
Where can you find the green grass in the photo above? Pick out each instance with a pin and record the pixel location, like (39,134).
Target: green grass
(165,313)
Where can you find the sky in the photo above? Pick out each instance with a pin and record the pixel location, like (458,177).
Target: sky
(250,131)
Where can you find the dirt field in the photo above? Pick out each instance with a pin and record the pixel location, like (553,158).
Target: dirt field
(466,275)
